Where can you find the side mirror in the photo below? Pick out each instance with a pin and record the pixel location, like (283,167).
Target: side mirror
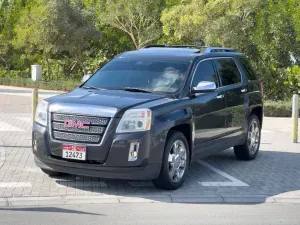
(204,86)
(86,77)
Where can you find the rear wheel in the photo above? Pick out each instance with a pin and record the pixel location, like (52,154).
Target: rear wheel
(175,162)
(52,173)
(249,150)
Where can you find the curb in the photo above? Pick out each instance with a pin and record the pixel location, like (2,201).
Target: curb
(204,199)
(27,89)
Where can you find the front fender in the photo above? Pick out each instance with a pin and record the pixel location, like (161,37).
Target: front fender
(163,123)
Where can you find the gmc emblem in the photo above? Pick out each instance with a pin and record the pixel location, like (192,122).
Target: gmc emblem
(78,124)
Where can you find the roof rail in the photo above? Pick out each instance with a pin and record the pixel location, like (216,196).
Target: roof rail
(206,49)
(175,46)
(218,49)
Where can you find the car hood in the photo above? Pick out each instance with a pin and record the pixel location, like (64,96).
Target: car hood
(99,102)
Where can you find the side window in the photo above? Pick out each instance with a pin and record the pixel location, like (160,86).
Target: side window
(228,71)
(248,70)
(205,72)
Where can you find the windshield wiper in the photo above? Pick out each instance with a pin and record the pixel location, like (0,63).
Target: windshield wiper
(135,90)
(91,87)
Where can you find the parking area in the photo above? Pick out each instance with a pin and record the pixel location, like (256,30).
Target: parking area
(275,172)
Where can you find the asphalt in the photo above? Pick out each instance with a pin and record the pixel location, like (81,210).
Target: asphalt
(154,214)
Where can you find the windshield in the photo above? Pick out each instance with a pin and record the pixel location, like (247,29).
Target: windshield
(144,74)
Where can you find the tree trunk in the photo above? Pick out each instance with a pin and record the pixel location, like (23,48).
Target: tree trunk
(79,60)
(48,66)
(7,66)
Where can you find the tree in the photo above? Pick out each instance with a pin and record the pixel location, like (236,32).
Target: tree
(57,26)
(9,15)
(138,19)
(276,42)
(265,30)
(214,22)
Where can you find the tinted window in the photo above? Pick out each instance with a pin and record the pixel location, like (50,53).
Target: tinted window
(205,72)
(228,71)
(250,74)
(148,74)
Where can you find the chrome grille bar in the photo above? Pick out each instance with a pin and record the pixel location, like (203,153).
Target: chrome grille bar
(88,138)
(90,130)
(91,133)
(88,119)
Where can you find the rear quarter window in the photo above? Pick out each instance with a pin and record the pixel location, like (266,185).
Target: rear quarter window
(247,68)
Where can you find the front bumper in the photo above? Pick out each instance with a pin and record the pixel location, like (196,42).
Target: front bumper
(148,172)
(113,164)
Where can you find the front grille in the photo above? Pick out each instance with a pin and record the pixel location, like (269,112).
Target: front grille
(76,137)
(92,131)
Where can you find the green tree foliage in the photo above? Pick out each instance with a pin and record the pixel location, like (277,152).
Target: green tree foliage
(72,37)
(138,19)
(266,30)
(56,26)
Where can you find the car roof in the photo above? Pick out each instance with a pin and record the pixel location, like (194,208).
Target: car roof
(180,53)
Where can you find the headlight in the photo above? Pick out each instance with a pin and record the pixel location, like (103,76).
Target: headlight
(41,113)
(135,120)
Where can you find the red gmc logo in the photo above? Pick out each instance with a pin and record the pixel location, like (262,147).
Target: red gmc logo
(78,124)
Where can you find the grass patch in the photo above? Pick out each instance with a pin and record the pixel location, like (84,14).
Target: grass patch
(61,85)
(278,108)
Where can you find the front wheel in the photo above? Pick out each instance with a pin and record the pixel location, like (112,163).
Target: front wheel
(175,162)
(249,150)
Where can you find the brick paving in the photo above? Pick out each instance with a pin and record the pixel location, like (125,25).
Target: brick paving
(274,172)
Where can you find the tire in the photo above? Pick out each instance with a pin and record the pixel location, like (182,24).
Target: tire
(180,162)
(52,173)
(249,150)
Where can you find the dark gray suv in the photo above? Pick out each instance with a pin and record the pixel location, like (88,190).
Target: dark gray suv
(148,114)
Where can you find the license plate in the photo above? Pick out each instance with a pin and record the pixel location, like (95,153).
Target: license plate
(74,152)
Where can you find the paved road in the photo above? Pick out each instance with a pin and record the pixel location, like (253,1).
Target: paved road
(153,214)
(220,178)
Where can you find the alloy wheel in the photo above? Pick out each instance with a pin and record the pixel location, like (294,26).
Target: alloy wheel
(253,137)
(177,160)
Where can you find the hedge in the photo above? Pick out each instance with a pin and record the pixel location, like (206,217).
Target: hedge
(278,108)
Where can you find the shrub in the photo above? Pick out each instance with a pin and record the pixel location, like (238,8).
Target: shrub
(278,108)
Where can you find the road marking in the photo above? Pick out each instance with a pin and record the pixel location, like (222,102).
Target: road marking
(141,184)
(25,119)
(233,181)
(79,184)
(7,127)
(15,184)
(2,154)
(267,131)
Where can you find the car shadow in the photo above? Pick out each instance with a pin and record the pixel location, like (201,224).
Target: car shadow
(272,173)
(50,210)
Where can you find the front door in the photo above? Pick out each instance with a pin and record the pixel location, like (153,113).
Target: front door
(209,108)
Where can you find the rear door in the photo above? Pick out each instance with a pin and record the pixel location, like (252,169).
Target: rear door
(235,90)
(208,108)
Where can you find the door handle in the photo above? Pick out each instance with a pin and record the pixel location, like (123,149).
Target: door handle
(244,90)
(219,96)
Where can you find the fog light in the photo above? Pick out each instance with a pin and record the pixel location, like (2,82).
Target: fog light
(133,151)
(34,142)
